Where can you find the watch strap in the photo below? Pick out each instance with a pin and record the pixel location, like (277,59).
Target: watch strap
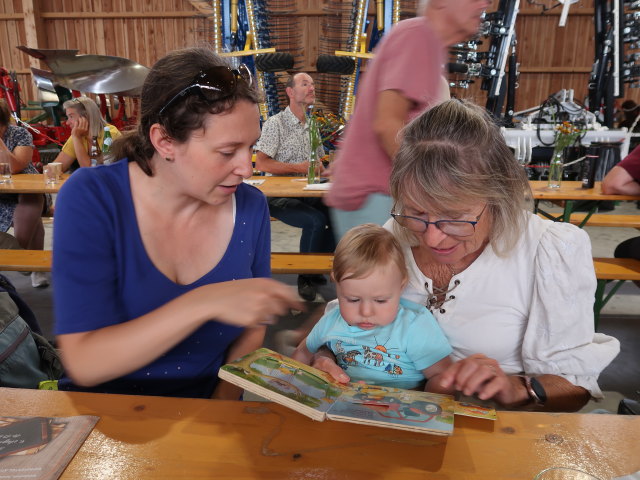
(537,394)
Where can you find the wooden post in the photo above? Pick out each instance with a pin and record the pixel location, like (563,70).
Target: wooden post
(33,29)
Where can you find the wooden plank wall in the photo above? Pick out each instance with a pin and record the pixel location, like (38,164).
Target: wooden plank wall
(550,57)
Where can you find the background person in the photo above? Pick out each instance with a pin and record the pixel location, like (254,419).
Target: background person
(624,179)
(513,293)
(284,149)
(86,122)
(158,257)
(22,210)
(403,79)
(376,336)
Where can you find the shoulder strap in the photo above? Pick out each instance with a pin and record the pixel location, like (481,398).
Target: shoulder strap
(24,310)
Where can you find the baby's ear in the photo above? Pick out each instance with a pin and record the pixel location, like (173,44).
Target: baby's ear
(332,278)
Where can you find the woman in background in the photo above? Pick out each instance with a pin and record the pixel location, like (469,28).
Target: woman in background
(86,122)
(22,210)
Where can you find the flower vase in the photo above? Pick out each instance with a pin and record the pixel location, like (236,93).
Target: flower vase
(313,174)
(555,169)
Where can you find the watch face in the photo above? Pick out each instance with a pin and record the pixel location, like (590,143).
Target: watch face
(538,389)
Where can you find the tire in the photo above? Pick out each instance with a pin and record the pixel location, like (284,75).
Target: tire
(335,64)
(274,62)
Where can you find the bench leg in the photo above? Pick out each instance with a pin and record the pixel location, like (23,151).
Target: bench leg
(601,300)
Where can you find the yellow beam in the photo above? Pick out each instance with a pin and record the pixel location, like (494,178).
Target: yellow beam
(245,53)
(342,53)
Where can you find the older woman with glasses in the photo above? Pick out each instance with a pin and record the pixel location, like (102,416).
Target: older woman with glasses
(513,293)
(161,259)
(87,125)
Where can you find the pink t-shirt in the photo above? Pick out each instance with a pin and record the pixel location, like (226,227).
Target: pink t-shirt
(409,59)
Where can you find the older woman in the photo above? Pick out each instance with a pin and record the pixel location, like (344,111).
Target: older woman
(86,122)
(23,210)
(512,292)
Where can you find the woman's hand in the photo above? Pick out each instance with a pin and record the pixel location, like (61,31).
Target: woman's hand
(325,360)
(482,376)
(248,302)
(81,128)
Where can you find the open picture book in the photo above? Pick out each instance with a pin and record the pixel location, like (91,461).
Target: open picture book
(317,395)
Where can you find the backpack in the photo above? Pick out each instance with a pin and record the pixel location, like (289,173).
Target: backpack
(26,357)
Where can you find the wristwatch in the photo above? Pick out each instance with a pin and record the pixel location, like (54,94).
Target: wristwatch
(537,394)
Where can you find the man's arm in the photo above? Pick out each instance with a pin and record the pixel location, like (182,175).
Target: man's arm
(392,112)
(619,182)
(265,163)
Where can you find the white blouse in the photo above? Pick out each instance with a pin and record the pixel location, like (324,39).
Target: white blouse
(531,310)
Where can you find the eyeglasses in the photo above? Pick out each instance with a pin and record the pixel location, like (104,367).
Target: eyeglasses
(213,84)
(456,228)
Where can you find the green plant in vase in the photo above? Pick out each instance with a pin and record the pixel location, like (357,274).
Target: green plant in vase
(313,173)
(566,135)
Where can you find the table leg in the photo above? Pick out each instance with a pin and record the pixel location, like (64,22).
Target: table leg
(568,210)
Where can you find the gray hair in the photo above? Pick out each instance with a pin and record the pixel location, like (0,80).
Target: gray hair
(87,108)
(455,152)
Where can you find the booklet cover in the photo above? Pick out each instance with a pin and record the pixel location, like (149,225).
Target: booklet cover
(40,447)
(317,395)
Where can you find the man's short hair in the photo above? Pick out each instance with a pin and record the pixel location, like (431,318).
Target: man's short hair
(291,80)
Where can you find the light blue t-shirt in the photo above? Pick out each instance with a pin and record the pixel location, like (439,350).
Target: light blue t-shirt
(393,355)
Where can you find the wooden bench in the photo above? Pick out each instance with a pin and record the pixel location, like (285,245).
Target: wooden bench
(607,270)
(40,261)
(617,270)
(604,220)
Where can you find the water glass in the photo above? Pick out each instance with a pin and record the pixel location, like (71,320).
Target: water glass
(58,169)
(5,173)
(52,173)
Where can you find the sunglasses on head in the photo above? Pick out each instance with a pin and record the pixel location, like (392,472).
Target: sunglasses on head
(213,84)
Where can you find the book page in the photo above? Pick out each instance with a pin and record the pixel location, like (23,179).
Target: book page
(395,408)
(285,381)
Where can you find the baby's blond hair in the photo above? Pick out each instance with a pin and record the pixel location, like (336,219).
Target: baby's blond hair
(362,249)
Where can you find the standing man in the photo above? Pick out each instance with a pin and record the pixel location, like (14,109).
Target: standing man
(284,149)
(403,79)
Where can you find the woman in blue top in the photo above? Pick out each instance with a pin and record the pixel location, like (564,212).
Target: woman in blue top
(157,257)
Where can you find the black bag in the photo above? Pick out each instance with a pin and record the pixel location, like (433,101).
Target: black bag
(26,357)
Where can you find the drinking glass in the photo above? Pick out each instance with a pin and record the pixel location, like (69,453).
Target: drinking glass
(5,173)
(50,171)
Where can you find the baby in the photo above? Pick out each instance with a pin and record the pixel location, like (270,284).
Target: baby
(376,336)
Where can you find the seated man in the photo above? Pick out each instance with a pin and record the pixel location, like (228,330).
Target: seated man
(284,149)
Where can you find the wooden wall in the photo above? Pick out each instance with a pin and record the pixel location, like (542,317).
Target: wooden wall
(550,57)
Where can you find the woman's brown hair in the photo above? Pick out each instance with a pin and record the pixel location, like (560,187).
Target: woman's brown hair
(168,77)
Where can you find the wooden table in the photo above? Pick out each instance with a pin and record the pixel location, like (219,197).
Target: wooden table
(154,438)
(31,183)
(286,187)
(569,193)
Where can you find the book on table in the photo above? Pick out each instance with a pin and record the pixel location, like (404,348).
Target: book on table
(317,395)
(40,447)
